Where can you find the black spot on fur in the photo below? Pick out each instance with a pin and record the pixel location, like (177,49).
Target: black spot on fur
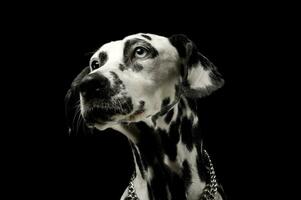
(169,116)
(117,84)
(186,171)
(154,119)
(174,134)
(177,187)
(141,104)
(127,50)
(168,144)
(122,67)
(116,79)
(165,102)
(165,107)
(103,57)
(186,132)
(128,107)
(159,182)
(146,36)
(137,67)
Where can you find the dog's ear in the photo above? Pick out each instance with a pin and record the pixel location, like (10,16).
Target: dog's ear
(199,76)
(72,111)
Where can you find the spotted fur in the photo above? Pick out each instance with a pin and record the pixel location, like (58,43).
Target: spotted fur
(152,101)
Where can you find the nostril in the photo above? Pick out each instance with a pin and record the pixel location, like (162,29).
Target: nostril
(102,83)
(94,85)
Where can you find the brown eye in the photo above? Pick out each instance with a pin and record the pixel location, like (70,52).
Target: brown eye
(140,52)
(94,64)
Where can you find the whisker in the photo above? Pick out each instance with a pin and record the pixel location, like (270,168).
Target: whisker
(78,119)
(75,116)
(77,103)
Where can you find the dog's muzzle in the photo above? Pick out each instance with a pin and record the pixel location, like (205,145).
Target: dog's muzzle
(99,101)
(94,89)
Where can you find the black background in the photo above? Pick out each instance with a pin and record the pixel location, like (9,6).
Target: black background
(55,42)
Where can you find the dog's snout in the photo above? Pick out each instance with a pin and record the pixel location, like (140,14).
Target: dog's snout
(94,85)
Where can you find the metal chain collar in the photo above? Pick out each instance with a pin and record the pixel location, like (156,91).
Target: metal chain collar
(209,192)
(131,189)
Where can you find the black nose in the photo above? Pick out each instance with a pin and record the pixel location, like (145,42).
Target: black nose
(94,86)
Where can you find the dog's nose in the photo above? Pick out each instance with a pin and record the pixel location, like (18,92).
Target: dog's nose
(94,85)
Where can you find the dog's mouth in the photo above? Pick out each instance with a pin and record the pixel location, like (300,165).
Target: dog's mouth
(102,112)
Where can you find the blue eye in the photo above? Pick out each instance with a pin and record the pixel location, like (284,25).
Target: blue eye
(94,64)
(140,52)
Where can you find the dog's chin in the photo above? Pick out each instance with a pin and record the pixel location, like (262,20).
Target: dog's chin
(101,120)
(103,126)
(103,115)
(97,116)
(100,124)
(96,111)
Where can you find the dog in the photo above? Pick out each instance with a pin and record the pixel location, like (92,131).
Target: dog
(145,86)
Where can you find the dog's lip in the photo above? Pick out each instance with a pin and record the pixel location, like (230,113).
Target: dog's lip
(132,117)
(92,124)
(97,115)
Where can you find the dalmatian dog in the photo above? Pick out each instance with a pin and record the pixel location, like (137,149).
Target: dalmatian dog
(145,86)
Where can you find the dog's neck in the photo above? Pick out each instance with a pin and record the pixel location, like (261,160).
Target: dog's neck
(167,154)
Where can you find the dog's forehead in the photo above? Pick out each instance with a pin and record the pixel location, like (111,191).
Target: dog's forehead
(111,46)
(115,48)
(112,49)
(147,37)
(157,41)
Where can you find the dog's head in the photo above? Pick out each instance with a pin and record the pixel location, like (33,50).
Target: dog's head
(135,78)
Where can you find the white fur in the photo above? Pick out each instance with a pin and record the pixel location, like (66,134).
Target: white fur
(199,77)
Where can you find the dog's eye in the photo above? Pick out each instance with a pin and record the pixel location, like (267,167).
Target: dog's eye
(141,52)
(94,64)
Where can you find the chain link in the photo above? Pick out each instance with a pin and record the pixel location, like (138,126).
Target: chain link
(131,189)
(209,192)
